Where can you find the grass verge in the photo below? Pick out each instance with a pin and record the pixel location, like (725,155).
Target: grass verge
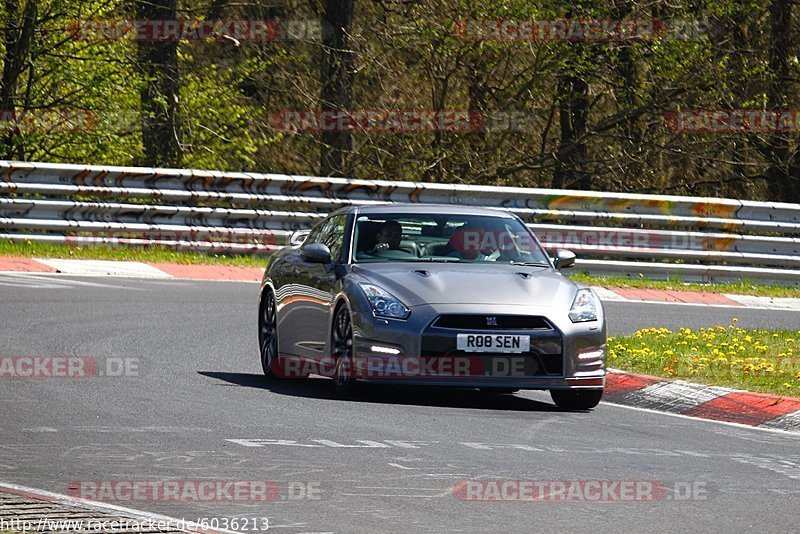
(147,254)
(743,287)
(755,360)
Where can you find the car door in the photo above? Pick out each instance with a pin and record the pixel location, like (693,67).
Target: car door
(313,288)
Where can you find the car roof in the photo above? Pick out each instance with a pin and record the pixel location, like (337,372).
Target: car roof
(433,209)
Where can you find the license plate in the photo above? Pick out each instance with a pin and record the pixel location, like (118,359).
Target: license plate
(493,343)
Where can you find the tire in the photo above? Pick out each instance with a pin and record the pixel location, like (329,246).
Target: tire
(268,336)
(344,379)
(576,399)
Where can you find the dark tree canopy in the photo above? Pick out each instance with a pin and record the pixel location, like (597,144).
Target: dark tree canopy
(547,103)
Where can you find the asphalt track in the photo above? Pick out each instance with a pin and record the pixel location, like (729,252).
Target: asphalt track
(385,463)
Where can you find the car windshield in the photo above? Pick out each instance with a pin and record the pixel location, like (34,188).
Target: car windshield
(457,238)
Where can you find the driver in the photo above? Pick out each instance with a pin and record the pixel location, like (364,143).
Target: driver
(466,242)
(389,236)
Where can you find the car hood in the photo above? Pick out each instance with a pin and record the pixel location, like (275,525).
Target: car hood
(447,283)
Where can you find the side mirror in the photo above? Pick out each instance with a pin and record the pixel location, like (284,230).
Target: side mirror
(564,259)
(298,237)
(316,253)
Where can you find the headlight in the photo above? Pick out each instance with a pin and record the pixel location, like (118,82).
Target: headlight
(383,303)
(584,307)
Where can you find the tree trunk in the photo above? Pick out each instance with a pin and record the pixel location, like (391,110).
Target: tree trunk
(628,70)
(158,63)
(782,184)
(337,83)
(17,40)
(573,95)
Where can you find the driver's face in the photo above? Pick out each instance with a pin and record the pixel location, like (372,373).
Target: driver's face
(391,236)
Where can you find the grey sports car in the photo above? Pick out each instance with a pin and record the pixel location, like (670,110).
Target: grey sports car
(431,295)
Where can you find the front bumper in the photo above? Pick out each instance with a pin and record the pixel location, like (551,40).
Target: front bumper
(562,355)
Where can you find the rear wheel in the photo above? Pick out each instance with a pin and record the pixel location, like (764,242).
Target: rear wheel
(344,378)
(268,335)
(576,399)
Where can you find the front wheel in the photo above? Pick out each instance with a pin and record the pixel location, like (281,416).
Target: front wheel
(344,376)
(576,399)
(268,335)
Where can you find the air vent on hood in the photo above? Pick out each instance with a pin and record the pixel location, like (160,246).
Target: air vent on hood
(422,273)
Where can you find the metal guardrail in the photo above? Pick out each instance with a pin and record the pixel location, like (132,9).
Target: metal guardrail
(619,233)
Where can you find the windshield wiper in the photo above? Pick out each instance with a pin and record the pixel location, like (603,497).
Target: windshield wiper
(529,263)
(443,259)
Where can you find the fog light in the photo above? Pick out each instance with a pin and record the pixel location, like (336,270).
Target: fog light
(591,355)
(383,350)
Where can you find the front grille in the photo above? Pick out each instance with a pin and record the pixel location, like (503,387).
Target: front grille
(545,357)
(485,322)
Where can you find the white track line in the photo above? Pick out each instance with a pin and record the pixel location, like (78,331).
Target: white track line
(51,281)
(767,302)
(607,295)
(698,304)
(703,420)
(106,507)
(155,280)
(133,269)
(744,301)
(676,396)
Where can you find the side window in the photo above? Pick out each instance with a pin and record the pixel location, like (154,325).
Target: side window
(331,234)
(313,235)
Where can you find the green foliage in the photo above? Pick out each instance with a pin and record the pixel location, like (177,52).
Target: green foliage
(742,287)
(729,356)
(409,58)
(145,253)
